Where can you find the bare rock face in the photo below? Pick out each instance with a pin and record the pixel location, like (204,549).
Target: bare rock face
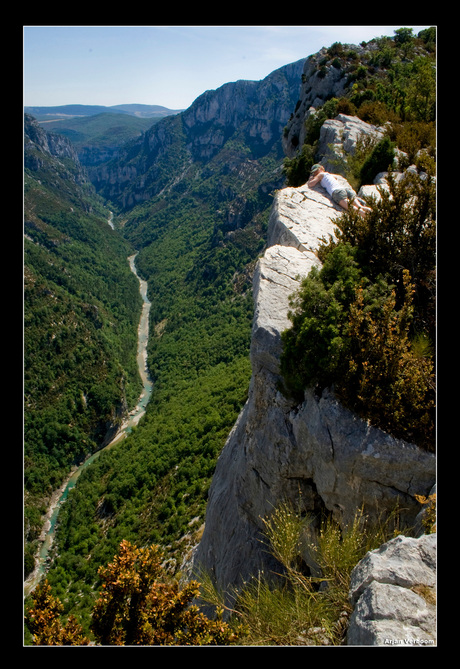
(393,593)
(317,454)
(339,137)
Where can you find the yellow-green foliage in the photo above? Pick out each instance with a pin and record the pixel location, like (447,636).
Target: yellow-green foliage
(429,516)
(386,380)
(365,322)
(44,621)
(292,607)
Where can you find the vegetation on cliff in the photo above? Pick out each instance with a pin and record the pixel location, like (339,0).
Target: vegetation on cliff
(139,603)
(198,240)
(365,323)
(391,83)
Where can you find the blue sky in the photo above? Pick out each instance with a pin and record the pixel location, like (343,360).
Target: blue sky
(164,65)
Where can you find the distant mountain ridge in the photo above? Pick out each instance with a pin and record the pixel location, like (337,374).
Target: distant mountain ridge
(139,110)
(233,127)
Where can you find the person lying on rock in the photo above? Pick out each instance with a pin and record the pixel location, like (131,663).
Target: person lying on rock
(344,196)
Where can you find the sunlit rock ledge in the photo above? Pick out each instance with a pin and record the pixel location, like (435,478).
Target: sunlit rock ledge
(317,454)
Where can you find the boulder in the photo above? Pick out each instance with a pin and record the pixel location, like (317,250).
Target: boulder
(393,593)
(339,136)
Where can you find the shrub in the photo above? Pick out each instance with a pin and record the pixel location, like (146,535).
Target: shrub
(413,136)
(139,606)
(400,233)
(297,170)
(315,347)
(375,112)
(359,322)
(403,35)
(380,160)
(43,620)
(345,106)
(386,380)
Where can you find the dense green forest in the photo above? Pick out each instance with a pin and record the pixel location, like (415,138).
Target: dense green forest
(82,306)
(81,309)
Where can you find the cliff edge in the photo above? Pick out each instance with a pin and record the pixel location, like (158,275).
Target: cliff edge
(318,455)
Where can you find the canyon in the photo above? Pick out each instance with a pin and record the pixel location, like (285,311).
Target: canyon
(193,196)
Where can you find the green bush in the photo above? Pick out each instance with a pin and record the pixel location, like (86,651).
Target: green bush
(297,170)
(357,323)
(315,347)
(380,160)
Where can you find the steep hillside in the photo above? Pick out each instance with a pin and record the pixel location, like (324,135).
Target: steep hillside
(193,195)
(81,306)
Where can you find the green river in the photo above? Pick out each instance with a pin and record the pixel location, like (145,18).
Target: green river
(135,415)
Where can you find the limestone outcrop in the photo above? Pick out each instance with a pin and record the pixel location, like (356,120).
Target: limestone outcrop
(316,454)
(339,137)
(393,593)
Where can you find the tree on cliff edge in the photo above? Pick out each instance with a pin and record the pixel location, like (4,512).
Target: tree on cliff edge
(137,605)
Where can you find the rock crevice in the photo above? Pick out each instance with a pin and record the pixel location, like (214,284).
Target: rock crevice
(317,454)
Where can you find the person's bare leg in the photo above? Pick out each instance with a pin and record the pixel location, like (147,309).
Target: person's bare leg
(362,211)
(362,207)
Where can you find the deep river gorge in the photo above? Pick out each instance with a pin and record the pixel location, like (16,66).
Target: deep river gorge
(47,536)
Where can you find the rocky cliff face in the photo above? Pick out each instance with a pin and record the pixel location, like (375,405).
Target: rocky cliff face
(317,454)
(250,113)
(39,145)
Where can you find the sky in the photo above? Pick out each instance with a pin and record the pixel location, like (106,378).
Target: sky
(164,65)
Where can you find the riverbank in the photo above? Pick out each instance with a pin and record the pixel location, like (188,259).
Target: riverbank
(132,419)
(34,577)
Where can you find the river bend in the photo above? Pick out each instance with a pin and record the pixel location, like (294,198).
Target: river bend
(47,536)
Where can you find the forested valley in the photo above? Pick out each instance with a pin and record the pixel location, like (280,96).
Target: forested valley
(198,235)
(81,309)
(151,488)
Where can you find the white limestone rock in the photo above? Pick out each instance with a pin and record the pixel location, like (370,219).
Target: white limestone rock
(316,452)
(393,591)
(339,137)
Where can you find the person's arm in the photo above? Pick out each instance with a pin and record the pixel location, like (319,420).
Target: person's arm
(312,181)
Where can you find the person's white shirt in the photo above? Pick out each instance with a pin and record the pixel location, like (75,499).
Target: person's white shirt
(329,182)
